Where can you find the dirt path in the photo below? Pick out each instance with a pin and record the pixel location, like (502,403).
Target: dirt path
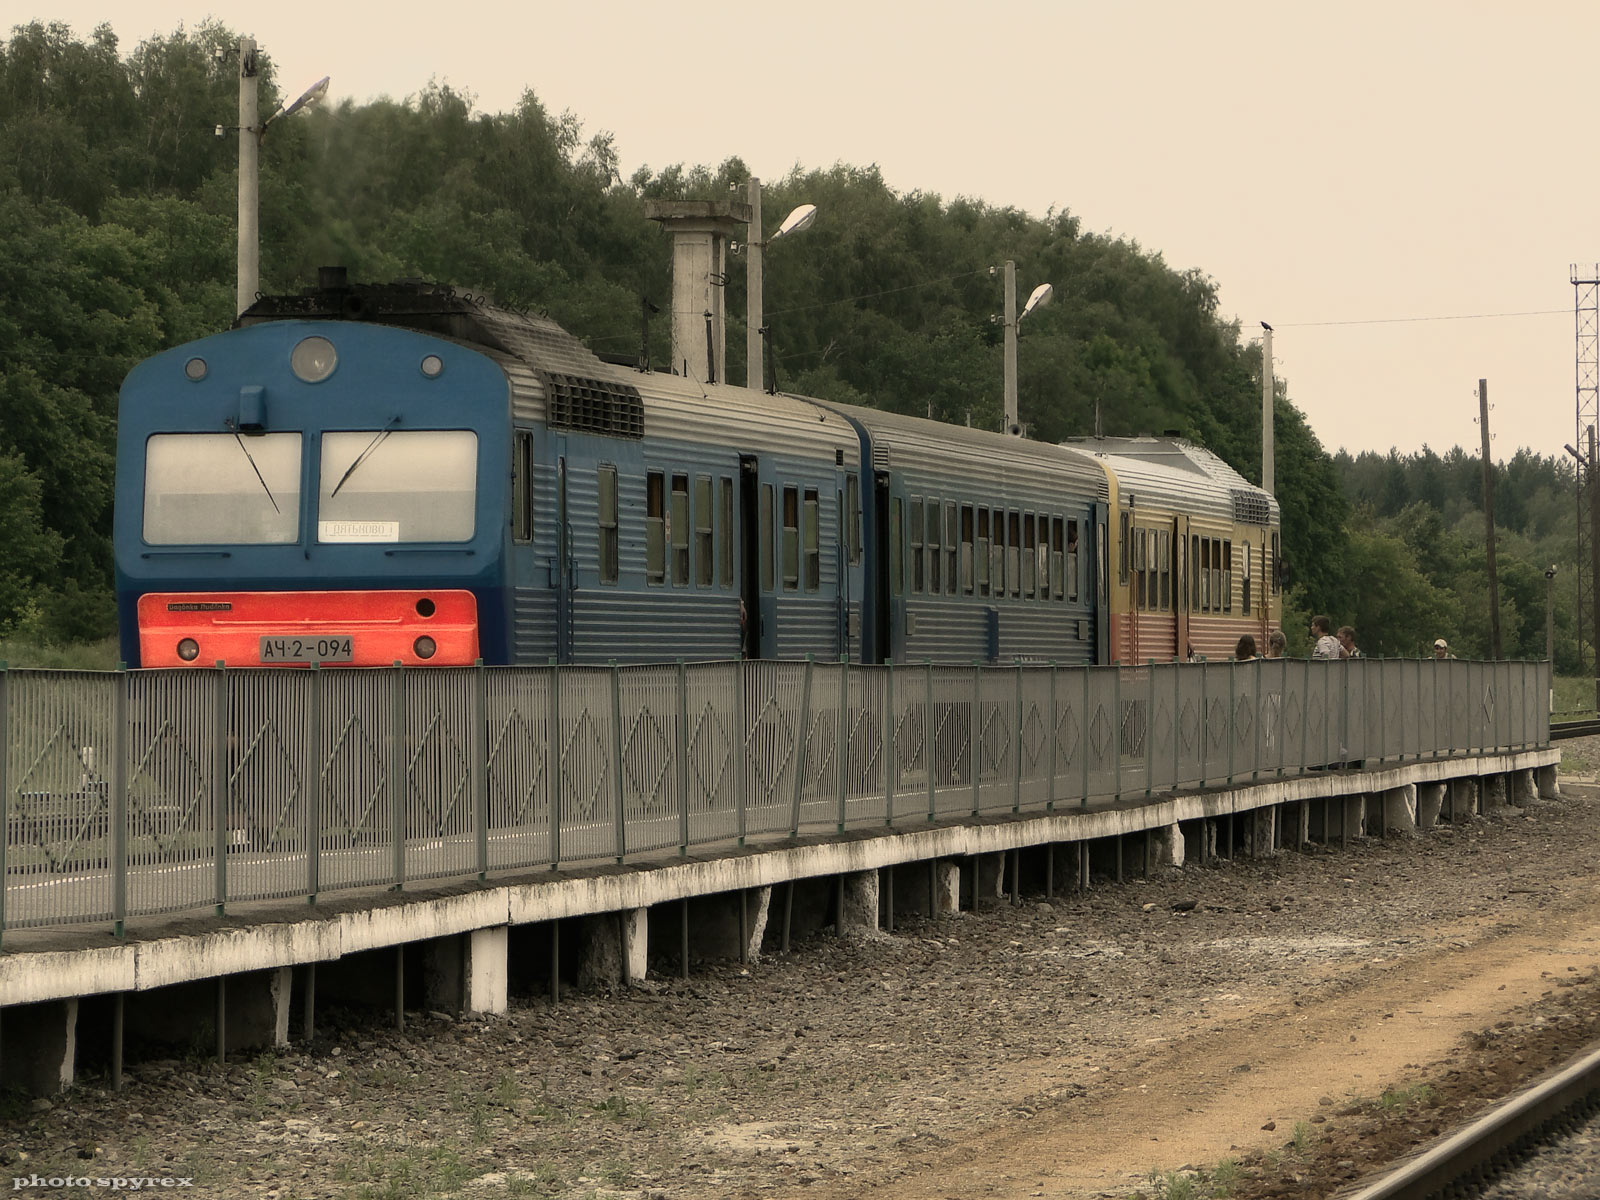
(1205,1098)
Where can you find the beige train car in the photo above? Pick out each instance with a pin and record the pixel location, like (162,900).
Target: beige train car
(1194,555)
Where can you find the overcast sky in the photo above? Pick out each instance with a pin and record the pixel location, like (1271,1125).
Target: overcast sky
(1401,189)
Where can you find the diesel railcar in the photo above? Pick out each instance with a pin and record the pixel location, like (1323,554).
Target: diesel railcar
(372,475)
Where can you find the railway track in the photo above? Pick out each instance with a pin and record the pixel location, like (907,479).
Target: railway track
(1460,1163)
(1572,729)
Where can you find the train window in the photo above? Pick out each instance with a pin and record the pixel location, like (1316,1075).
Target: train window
(1136,567)
(952,540)
(980,560)
(933,547)
(607,479)
(1205,574)
(1030,557)
(1122,556)
(522,486)
(965,566)
(1052,559)
(678,530)
(916,546)
(1014,552)
(791,539)
(217,488)
(1072,560)
(897,562)
(811,546)
(1194,574)
(852,516)
(704,566)
(767,581)
(655,525)
(1227,576)
(1273,572)
(997,553)
(1244,599)
(389,485)
(1165,561)
(725,533)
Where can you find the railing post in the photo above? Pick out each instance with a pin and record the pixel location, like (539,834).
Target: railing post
(480,764)
(1233,709)
(1255,771)
(397,774)
(891,750)
(974,725)
(1383,723)
(119,803)
(1177,710)
(842,753)
(554,768)
(1116,730)
(683,758)
(927,742)
(219,788)
(1305,713)
(313,784)
(617,799)
(1205,722)
(801,747)
(1050,788)
(1083,801)
(1149,718)
(741,763)
(1016,742)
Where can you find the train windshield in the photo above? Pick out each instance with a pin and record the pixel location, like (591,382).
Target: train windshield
(389,485)
(207,488)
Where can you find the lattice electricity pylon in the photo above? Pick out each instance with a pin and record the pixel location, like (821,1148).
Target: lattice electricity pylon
(1586,320)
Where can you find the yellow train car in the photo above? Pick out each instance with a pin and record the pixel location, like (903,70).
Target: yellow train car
(1194,552)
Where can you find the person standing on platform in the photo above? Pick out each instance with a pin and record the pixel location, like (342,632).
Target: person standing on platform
(1347,642)
(1327,646)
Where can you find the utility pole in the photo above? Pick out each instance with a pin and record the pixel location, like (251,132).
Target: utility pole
(1266,409)
(753,285)
(1594,553)
(1013,426)
(1550,628)
(1488,518)
(249,175)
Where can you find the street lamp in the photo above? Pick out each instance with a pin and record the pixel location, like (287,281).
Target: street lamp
(1039,297)
(1550,628)
(800,218)
(250,135)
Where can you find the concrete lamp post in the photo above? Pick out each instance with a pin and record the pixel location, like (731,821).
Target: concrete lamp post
(1038,298)
(800,218)
(250,135)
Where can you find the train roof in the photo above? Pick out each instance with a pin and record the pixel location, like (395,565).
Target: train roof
(1177,474)
(899,440)
(557,379)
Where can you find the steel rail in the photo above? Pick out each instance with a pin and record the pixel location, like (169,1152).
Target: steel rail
(1572,729)
(1452,1159)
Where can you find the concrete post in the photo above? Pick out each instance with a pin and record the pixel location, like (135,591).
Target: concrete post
(860,902)
(991,875)
(1494,792)
(635,945)
(1430,803)
(947,887)
(41,1047)
(700,231)
(1525,788)
(1167,844)
(1463,799)
(600,953)
(1549,788)
(443,966)
(1263,831)
(1297,825)
(488,970)
(1400,810)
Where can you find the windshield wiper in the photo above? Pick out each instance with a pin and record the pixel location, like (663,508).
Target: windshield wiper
(362,457)
(257,470)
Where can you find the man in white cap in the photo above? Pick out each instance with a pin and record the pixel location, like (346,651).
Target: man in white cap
(1441,649)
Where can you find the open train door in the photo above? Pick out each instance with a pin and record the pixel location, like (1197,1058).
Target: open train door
(757,637)
(1181,566)
(888,609)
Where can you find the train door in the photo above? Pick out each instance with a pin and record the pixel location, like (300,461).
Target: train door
(1101,582)
(888,597)
(1180,583)
(758,634)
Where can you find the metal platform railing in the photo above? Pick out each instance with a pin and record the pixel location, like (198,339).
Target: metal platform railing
(141,792)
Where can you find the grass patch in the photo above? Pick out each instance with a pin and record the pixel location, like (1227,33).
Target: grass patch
(1574,698)
(1396,1099)
(1215,1184)
(79,656)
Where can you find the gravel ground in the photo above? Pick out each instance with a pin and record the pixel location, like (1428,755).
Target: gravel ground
(955,1058)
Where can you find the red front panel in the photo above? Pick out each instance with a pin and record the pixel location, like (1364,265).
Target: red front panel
(347,629)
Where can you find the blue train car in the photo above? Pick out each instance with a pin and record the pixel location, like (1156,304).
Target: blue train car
(980,547)
(373,475)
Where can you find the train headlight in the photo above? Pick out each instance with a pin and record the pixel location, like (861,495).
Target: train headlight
(313,359)
(432,365)
(195,369)
(188,649)
(424,647)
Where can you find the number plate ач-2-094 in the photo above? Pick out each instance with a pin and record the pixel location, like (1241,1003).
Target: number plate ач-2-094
(328,648)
